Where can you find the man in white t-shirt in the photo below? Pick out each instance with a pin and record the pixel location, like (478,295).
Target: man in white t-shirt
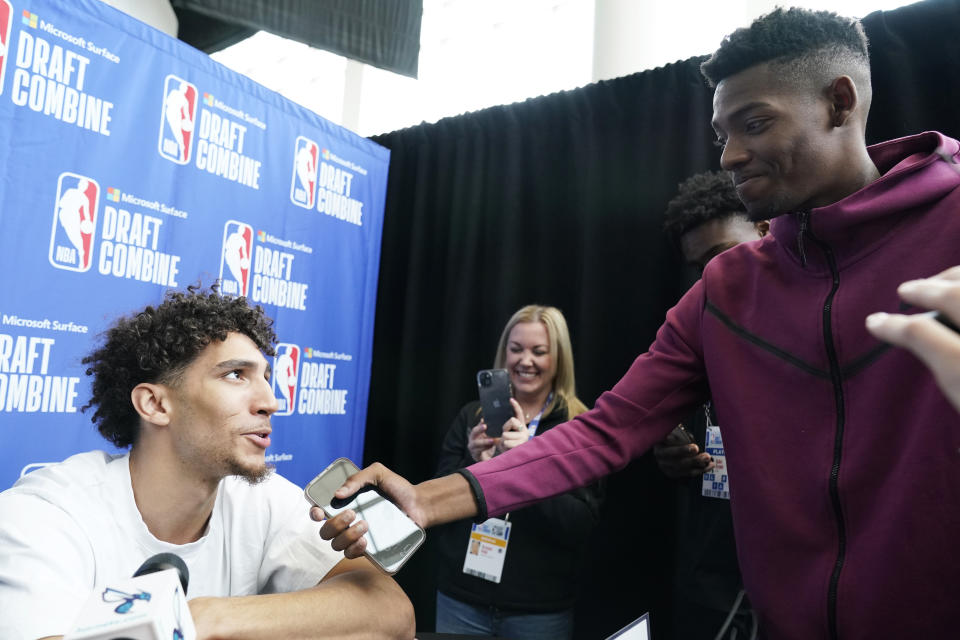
(186,386)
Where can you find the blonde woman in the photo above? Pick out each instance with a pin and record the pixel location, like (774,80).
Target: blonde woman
(543,544)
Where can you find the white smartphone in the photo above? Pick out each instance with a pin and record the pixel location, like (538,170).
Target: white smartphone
(392,537)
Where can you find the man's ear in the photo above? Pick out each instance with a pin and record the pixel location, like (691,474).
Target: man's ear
(151,402)
(762,227)
(842,94)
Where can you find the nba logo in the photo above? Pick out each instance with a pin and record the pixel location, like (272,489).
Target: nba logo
(237,247)
(303,185)
(6,13)
(286,366)
(74,222)
(177,116)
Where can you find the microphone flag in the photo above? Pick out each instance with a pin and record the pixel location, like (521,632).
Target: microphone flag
(145,607)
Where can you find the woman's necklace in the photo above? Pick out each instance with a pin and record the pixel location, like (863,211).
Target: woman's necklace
(538,407)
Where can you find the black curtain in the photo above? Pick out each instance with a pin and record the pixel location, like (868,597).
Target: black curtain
(915,59)
(559,200)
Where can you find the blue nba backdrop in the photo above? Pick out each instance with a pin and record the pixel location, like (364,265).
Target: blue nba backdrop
(133,164)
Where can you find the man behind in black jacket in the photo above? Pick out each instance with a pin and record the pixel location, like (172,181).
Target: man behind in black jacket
(704,219)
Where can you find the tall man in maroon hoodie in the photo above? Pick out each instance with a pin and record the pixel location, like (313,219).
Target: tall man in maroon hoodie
(843,452)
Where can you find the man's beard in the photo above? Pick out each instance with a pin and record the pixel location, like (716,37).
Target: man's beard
(776,207)
(252,475)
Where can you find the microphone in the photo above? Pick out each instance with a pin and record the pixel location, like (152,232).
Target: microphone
(152,605)
(162,562)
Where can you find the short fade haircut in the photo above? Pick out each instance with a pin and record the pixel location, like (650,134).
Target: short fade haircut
(806,45)
(157,345)
(701,198)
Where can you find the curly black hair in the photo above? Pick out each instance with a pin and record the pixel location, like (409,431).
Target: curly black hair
(157,344)
(701,198)
(812,38)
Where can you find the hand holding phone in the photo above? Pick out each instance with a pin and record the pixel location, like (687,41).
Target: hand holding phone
(392,537)
(515,430)
(676,457)
(493,386)
(479,444)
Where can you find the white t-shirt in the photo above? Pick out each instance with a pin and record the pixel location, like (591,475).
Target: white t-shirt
(68,528)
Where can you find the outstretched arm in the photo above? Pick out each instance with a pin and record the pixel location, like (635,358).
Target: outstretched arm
(429,503)
(660,388)
(354,600)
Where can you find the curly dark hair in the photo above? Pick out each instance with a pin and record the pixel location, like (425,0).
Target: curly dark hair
(814,40)
(701,198)
(157,344)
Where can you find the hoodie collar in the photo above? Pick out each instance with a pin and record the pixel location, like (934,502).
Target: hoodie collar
(913,174)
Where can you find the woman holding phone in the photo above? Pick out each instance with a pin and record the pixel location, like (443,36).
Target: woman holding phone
(517,576)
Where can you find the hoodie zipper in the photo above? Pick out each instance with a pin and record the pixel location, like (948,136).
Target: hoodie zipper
(803,217)
(836,379)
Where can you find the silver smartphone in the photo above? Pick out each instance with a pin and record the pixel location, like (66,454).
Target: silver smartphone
(392,537)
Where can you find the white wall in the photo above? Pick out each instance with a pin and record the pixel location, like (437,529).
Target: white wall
(157,13)
(480,53)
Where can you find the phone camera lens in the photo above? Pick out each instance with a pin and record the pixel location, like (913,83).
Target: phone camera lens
(486,379)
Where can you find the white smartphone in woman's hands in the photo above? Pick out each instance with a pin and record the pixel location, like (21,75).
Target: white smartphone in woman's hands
(392,537)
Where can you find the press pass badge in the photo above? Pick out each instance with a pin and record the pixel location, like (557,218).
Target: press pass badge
(487,549)
(716,484)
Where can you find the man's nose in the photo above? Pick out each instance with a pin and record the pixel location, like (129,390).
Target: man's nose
(734,154)
(265,401)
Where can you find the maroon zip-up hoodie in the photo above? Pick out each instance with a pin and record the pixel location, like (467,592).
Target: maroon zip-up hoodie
(844,456)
